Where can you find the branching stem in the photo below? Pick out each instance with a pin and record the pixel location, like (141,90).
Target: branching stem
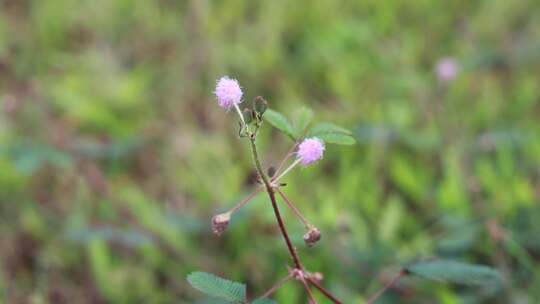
(293,208)
(284,160)
(308,290)
(325,292)
(280,283)
(272,196)
(386,287)
(245,200)
(296,162)
(270,189)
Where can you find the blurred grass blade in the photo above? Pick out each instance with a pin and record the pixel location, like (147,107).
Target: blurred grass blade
(215,286)
(371,134)
(454,272)
(130,238)
(280,122)
(333,134)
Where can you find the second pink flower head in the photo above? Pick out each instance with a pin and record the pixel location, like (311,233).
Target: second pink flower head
(310,151)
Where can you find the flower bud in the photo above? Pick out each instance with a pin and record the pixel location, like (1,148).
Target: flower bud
(220,223)
(312,236)
(271,171)
(297,273)
(260,105)
(317,276)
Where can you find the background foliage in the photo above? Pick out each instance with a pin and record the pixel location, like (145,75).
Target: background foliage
(114,155)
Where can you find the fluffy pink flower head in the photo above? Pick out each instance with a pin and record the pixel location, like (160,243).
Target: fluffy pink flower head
(310,151)
(447,69)
(228,92)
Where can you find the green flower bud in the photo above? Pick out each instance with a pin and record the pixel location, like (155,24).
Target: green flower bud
(260,105)
(271,171)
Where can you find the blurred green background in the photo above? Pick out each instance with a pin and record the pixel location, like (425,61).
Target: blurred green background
(114,154)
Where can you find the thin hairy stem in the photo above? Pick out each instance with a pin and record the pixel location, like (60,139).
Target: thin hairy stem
(308,290)
(244,125)
(293,208)
(270,190)
(292,250)
(325,292)
(284,160)
(296,162)
(246,200)
(272,197)
(280,283)
(386,286)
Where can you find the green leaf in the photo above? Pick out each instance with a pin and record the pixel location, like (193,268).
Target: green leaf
(302,118)
(332,134)
(454,272)
(280,122)
(264,301)
(218,287)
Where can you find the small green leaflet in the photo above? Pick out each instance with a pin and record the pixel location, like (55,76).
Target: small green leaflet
(215,286)
(454,272)
(280,122)
(332,134)
(328,132)
(302,118)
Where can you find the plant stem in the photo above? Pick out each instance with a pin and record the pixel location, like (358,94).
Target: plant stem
(284,233)
(284,160)
(245,200)
(325,292)
(388,285)
(286,170)
(308,290)
(272,197)
(293,208)
(276,286)
(241,117)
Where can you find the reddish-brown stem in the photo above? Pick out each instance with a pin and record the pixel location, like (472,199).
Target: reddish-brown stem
(386,286)
(308,290)
(325,292)
(246,200)
(281,225)
(272,197)
(284,233)
(280,283)
(293,208)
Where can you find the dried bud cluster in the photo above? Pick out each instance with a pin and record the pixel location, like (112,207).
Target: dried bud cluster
(317,276)
(220,223)
(297,274)
(312,236)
